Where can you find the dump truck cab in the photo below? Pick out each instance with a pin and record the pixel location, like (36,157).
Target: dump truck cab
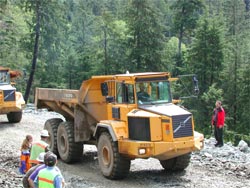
(11,101)
(144,120)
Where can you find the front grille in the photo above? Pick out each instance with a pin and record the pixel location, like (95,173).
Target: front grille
(182,126)
(139,128)
(9,95)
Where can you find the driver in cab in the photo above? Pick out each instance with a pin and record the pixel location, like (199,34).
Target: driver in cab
(142,94)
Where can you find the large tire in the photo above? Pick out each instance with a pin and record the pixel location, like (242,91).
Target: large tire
(69,150)
(177,163)
(112,164)
(52,125)
(15,117)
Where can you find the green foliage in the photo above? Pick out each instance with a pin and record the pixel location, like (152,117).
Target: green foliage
(13,32)
(170,52)
(205,106)
(205,57)
(243,126)
(235,138)
(211,96)
(145,36)
(237,67)
(110,51)
(186,15)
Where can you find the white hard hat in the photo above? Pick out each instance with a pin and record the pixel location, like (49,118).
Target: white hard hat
(40,157)
(45,133)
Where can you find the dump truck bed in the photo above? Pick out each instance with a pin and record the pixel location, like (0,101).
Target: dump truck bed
(61,101)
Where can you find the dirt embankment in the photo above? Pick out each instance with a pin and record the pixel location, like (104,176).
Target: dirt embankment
(211,168)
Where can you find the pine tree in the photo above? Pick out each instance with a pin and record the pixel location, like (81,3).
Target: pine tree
(146,38)
(205,59)
(236,42)
(186,15)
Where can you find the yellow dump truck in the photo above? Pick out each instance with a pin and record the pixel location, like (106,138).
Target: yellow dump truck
(11,101)
(111,113)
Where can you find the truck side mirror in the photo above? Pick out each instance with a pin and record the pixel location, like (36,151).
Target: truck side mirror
(110,99)
(196,87)
(104,89)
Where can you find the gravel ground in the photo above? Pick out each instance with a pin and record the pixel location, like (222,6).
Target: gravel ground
(212,167)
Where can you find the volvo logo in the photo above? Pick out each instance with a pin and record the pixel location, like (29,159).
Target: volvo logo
(182,124)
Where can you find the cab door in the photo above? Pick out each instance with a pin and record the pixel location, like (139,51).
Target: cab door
(124,101)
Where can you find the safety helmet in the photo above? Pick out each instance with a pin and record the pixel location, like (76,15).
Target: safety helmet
(45,133)
(50,159)
(40,157)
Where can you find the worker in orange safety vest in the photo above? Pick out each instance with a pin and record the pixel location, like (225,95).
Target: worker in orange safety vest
(39,147)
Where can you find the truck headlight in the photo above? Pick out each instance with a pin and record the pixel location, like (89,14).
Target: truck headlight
(142,151)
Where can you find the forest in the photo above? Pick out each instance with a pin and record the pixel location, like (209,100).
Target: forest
(60,43)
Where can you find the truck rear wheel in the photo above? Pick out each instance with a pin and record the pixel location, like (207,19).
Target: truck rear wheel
(51,126)
(15,117)
(69,150)
(112,164)
(177,163)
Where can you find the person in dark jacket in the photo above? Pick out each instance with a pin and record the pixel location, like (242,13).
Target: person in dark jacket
(142,94)
(218,120)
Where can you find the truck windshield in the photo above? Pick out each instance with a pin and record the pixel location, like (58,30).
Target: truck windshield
(4,78)
(154,92)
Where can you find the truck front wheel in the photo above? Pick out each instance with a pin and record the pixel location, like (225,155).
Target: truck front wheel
(15,117)
(177,163)
(69,150)
(112,164)
(51,126)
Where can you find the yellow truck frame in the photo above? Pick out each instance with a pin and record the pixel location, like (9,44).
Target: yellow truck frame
(108,113)
(11,101)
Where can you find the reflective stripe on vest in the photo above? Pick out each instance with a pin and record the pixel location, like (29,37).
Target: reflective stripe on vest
(46,178)
(36,149)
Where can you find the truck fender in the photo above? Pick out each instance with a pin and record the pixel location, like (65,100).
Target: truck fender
(100,127)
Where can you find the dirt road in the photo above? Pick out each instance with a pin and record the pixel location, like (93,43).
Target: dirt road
(210,168)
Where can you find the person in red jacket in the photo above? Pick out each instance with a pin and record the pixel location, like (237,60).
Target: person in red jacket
(218,120)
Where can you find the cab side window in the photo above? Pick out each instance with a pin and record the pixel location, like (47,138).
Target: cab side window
(131,97)
(119,92)
(124,93)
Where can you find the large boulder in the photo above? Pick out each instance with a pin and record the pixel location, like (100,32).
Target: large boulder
(243,146)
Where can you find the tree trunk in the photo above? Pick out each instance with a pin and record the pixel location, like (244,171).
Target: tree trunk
(235,66)
(35,53)
(105,51)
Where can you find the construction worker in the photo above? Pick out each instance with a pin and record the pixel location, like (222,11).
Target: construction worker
(24,164)
(49,177)
(39,147)
(218,120)
(34,174)
(40,159)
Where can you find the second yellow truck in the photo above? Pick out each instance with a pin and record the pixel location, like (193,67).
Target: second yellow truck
(11,101)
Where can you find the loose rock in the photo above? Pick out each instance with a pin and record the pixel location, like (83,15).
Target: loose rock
(212,167)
